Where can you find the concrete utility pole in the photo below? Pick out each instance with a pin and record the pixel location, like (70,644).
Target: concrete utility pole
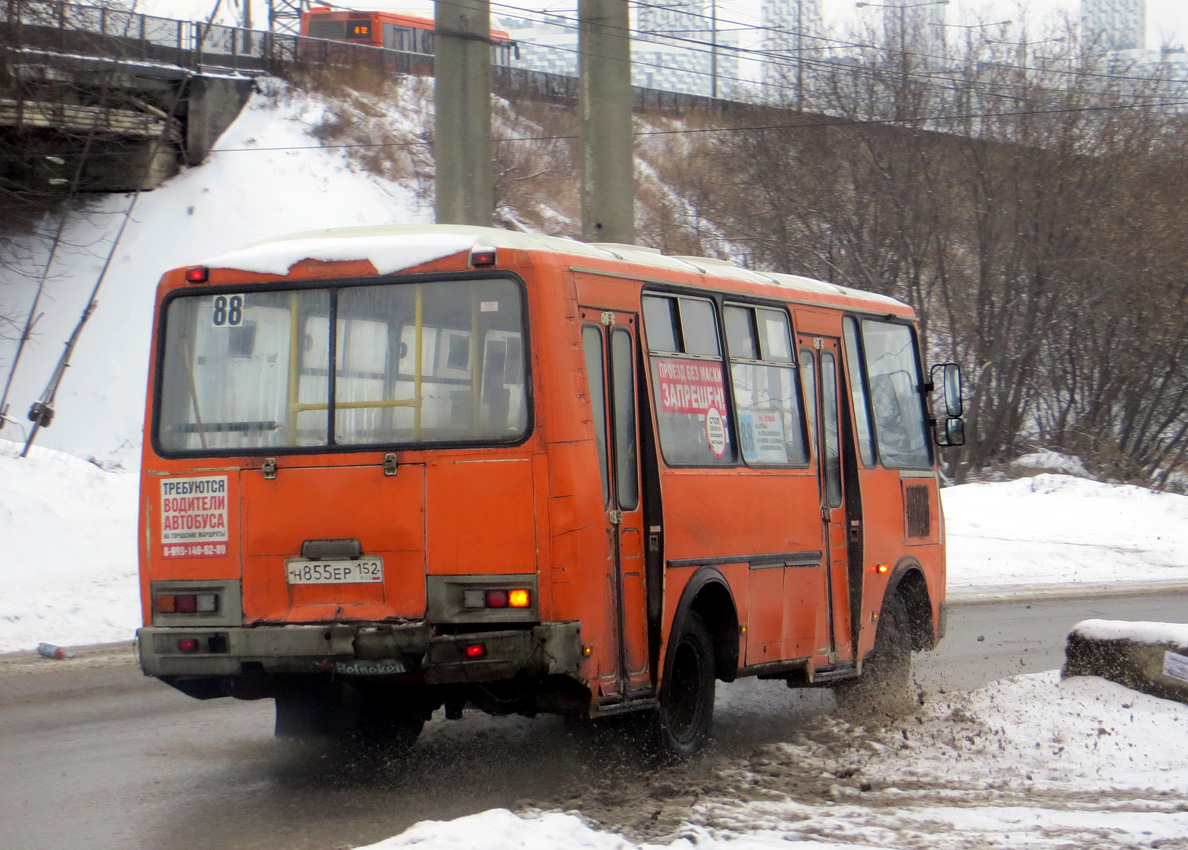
(462,143)
(605,100)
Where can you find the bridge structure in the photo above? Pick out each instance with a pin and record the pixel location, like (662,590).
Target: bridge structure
(110,100)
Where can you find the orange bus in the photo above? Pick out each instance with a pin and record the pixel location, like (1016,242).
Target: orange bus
(406,33)
(390,470)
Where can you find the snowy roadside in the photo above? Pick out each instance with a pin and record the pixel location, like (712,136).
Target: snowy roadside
(1026,762)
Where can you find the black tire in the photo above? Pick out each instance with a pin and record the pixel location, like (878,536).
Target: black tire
(885,683)
(387,725)
(346,713)
(685,718)
(308,710)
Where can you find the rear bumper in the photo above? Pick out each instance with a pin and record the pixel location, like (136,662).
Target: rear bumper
(400,652)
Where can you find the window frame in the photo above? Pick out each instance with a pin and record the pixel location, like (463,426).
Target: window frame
(715,300)
(792,365)
(161,330)
(858,383)
(860,321)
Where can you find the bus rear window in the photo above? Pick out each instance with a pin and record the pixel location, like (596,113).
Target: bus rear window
(392,364)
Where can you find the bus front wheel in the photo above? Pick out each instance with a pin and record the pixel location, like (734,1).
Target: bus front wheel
(686,714)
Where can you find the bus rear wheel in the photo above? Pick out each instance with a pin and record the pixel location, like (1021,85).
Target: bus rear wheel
(685,718)
(887,671)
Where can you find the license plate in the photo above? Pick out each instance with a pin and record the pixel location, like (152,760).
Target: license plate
(354,571)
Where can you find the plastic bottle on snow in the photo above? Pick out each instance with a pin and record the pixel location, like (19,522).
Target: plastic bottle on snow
(51,651)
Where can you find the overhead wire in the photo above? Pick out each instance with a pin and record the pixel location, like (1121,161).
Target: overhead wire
(918,72)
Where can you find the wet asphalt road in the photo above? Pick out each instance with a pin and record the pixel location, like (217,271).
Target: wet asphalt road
(104,759)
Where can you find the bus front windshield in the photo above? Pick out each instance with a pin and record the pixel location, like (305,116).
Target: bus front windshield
(352,365)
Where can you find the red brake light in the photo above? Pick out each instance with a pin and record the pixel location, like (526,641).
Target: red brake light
(186,603)
(475,651)
(187,644)
(497,598)
(198,274)
(482,257)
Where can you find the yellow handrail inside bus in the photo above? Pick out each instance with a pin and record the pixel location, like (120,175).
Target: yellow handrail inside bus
(297,407)
(476,358)
(193,391)
(417,368)
(359,405)
(294,378)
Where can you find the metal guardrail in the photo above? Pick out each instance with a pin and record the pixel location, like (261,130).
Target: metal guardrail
(95,31)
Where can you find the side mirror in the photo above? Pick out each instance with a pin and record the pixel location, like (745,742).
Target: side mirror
(950,383)
(953,434)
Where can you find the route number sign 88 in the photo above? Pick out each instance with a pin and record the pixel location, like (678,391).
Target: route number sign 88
(228,311)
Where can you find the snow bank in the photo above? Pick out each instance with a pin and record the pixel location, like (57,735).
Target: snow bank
(1123,630)
(1056,529)
(69,532)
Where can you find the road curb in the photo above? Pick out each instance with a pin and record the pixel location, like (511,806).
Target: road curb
(85,657)
(1037,592)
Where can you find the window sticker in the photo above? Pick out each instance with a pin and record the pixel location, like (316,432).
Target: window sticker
(194,517)
(715,432)
(227,312)
(690,387)
(489,307)
(761,434)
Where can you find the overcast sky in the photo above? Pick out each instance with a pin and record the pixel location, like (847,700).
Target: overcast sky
(1167,20)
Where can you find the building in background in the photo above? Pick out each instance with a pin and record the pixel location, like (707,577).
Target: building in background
(915,27)
(1114,24)
(792,46)
(676,47)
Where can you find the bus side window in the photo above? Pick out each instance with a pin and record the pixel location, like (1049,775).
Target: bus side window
(689,380)
(766,394)
(901,431)
(592,343)
(808,374)
(858,392)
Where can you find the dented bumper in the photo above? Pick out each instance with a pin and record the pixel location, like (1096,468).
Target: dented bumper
(411,652)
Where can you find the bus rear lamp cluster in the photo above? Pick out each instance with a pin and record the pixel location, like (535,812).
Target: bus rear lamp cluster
(186,603)
(497,598)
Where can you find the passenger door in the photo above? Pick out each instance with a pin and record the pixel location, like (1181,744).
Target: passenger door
(820,367)
(609,339)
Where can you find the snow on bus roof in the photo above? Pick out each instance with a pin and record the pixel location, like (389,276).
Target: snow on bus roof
(393,248)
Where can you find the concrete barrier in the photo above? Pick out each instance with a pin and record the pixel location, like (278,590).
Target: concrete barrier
(1147,657)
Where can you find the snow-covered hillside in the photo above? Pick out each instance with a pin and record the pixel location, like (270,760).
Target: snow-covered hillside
(272,178)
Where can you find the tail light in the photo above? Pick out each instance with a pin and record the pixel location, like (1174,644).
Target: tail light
(186,603)
(497,598)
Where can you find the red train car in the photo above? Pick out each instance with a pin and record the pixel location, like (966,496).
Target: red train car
(406,33)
